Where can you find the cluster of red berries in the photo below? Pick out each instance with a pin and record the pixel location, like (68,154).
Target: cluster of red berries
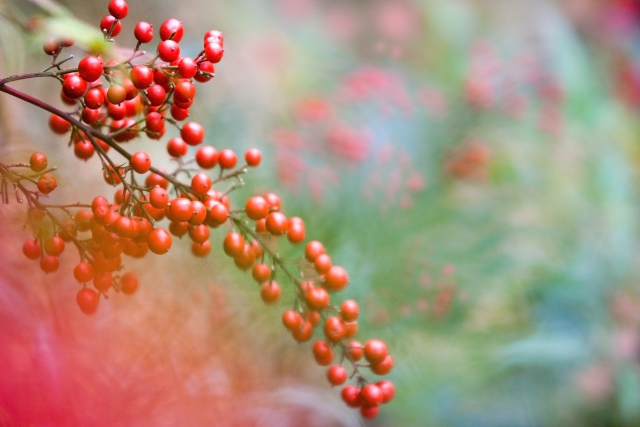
(318,277)
(159,91)
(135,101)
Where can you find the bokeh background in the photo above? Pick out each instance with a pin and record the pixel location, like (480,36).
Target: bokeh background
(473,164)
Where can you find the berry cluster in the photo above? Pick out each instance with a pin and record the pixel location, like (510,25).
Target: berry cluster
(117,101)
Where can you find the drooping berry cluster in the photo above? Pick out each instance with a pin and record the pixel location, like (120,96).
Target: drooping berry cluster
(115,101)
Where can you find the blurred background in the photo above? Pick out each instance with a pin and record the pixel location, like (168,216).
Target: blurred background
(473,164)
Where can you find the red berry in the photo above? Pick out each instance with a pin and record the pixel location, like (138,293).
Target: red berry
(207,157)
(159,241)
(178,229)
(128,283)
(388,390)
(107,23)
(67,100)
(143,32)
(192,133)
(199,233)
(384,367)
(134,106)
(140,162)
(171,27)
(375,351)
(130,90)
(369,412)
(178,113)
(154,179)
(102,280)
(201,250)
(199,214)
(355,350)
(205,72)
(371,395)
(218,214)
(49,263)
(337,375)
(322,352)
(296,231)
(350,395)
(253,156)
(117,111)
(349,310)
(74,86)
(161,77)
(334,329)
(201,183)
(214,36)
(83,149)
(336,278)
(83,272)
(213,52)
(126,227)
(303,333)
(38,162)
(159,198)
(261,225)
(187,67)
(176,147)
(94,98)
(54,246)
(118,8)
(90,115)
(257,208)
(154,122)
(180,210)
(270,292)
(156,95)
(273,200)
(31,249)
(233,244)
(317,298)
(322,263)
(168,50)
(227,159)
(90,68)
(246,258)
(59,125)
(47,183)
(87,300)
(292,320)
(141,76)
(184,91)
(277,223)
(260,272)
